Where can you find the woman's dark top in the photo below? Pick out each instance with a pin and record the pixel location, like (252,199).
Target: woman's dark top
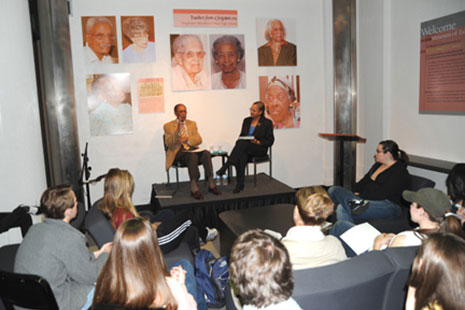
(389,184)
(263,130)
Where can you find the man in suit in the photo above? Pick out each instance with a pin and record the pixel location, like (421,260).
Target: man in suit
(182,138)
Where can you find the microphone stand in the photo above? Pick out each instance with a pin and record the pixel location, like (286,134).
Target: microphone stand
(85,172)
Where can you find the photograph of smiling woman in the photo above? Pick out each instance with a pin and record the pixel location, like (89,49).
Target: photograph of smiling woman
(138,39)
(228,61)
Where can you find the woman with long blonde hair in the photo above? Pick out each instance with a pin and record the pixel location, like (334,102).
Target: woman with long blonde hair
(135,275)
(171,228)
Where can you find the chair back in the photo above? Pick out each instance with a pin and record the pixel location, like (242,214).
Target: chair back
(7,256)
(417,182)
(26,290)
(99,226)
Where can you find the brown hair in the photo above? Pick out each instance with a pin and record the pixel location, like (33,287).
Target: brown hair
(118,189)
(314,205)
(437,272)
(56,200)
(392,147)
(260,268)
(135,273)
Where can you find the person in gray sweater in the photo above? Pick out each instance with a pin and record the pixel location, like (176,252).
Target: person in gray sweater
(57,251)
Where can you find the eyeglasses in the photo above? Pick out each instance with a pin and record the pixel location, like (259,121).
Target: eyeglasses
(140,35)
(191,54)
(101,37)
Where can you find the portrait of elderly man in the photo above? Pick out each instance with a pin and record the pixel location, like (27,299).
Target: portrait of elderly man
(277,51)
(138,39)
(188,66)
(100,40)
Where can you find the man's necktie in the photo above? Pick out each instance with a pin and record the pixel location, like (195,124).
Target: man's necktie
(183,133)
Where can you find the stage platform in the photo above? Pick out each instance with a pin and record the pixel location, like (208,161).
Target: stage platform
(268,191)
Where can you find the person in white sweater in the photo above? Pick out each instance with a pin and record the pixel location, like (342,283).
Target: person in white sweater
(307,245)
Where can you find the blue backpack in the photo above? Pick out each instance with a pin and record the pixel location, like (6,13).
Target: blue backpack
(212,275)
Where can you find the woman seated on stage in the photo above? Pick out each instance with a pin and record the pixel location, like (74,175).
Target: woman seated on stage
(437,279)
(135,275)
(381,187)
(172,229)
(307,245)
(260,131)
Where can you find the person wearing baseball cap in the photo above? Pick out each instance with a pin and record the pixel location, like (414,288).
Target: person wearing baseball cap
(427,209)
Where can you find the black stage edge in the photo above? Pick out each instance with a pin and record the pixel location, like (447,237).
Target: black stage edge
(268,191)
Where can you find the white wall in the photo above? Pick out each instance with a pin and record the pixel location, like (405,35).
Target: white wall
(21,157)
(394,39)
(300,157)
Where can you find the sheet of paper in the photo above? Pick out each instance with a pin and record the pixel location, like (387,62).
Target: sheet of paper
(361,237)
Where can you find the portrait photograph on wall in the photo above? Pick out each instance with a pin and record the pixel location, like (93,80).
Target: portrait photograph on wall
(228,61)
(109,104)
(281,95)
(276,41)
(99,39)
(189,62)
(138,39)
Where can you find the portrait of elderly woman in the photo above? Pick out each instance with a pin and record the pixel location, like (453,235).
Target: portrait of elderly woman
(138,39)
(281,97)
(227,61)
(276,51)
(189,68)
(108,103)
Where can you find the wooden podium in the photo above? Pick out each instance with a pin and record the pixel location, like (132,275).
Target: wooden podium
(341,138)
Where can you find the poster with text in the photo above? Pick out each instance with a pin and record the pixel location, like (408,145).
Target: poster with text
(442,65)
(150,95)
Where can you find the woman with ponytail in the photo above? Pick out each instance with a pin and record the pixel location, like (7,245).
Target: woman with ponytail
(381,187)
(307,245)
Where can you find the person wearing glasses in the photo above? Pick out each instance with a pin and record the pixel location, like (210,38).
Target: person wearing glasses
(141,50)
(255,138)
(188,59)
(99,39)
(381,187)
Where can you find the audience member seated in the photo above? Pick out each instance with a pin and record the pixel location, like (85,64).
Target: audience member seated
(262,272)
(117,206)
(455,184)
(136,276)
(382,186)
(260,130)
(428,209)
(437,279)
(306,243)
(57,251)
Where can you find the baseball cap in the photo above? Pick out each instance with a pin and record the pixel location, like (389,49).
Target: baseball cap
(434,201)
